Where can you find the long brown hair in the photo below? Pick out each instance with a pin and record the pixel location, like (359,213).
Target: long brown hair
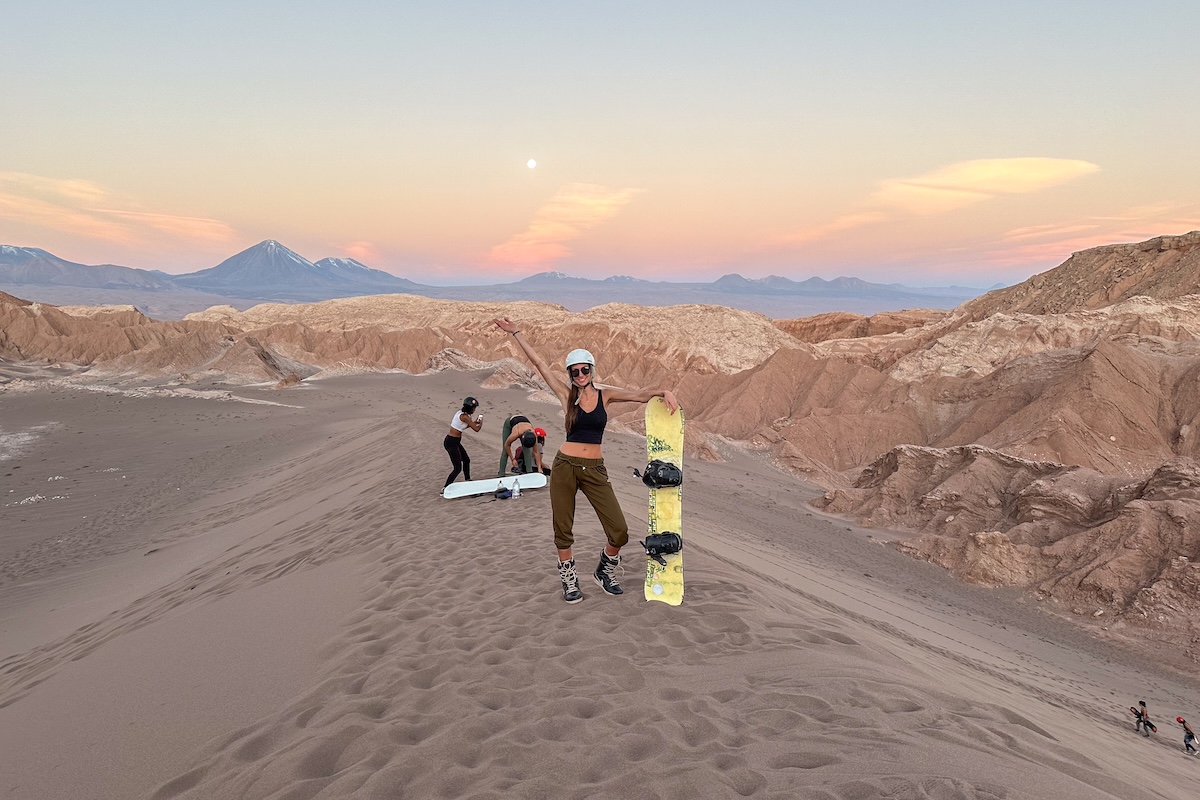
(572,406)
(573,399)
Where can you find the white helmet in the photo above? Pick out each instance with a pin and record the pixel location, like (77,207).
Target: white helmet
(579,356)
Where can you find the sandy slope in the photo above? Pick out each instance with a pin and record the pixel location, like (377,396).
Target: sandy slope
(297,613)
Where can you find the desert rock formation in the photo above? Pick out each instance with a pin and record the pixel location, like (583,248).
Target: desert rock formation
(979,348)
(1163,268)
(1117,552)
(705,338)
(845,325)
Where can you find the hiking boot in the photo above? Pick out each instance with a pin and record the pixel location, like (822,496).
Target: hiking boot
(570,581)
(606,573)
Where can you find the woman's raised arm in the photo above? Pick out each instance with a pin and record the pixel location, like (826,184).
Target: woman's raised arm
(552,379)
(643,396)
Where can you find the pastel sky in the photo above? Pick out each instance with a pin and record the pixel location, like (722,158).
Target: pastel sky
(927,143)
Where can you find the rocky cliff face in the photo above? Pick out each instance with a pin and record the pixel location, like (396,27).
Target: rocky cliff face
(844,325)
(1114,551)
(707,339)
(979,348)
(1164,268)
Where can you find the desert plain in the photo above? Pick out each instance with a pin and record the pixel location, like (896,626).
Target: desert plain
(929,555)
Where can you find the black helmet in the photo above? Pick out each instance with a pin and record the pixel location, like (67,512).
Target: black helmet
(470,404)
(528,439)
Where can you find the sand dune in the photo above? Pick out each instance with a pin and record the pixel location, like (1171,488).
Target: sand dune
(313,620)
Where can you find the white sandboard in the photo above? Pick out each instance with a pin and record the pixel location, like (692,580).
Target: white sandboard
(532,480)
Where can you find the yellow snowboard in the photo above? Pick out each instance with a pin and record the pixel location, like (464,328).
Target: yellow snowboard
(664,442)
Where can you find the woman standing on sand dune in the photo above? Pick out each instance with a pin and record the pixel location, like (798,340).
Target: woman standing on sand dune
(579,465)
(459,460)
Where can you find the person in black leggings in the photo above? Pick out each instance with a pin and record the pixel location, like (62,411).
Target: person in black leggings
(459,460)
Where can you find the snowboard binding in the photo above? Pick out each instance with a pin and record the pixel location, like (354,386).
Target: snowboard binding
(661,475)
(658,545)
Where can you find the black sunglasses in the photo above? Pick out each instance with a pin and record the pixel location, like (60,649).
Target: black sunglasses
(577,371)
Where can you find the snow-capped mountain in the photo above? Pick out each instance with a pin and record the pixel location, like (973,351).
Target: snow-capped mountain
(268,269)
(349,269)
(265,266)
(348,266)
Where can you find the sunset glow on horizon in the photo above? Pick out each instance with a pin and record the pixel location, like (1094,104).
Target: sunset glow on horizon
(925,144)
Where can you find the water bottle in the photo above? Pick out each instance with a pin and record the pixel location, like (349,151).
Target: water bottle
(516,488)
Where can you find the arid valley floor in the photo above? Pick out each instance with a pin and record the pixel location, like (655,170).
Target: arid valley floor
(291,610)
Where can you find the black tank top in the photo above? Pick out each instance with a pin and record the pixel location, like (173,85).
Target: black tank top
(589,425)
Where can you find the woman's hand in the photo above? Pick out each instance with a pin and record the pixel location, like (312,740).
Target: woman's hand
(669,399)
(506,325)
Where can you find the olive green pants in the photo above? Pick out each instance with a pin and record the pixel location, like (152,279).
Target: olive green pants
(570,475)
(505,455)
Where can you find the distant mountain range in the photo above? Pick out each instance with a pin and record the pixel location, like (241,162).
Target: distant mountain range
(773,296)
(29,265)
(269,271)
(772,284)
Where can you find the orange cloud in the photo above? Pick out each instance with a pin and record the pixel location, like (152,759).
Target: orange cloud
(364,252)
(194,228)
(968,182)
(1052,230)
(951,187)
(83,208)
(573,210)
(39,213)
(843,223)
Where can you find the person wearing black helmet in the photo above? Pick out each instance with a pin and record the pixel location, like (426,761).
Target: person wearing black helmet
(463,419)
(538,445)
(518,428)
(579,465)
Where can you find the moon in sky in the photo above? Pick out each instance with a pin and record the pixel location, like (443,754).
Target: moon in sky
(531,163)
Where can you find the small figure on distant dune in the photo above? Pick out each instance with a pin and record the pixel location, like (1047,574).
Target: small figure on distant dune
(1189,737)
(459,460)
(1143,724)
(579,465)
(518,428)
